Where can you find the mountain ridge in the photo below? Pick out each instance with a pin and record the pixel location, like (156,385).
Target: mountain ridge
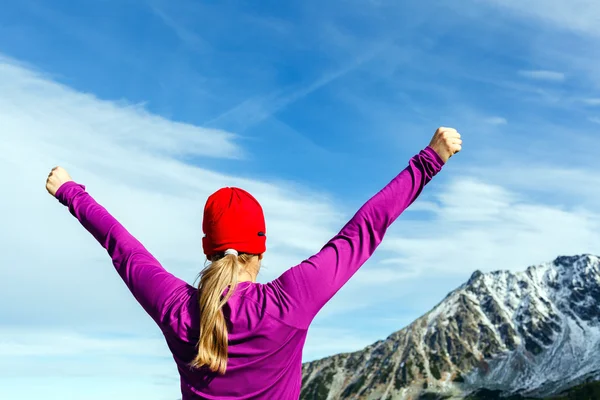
(531,333)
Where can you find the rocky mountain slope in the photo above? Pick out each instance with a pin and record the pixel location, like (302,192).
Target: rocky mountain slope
(533,333)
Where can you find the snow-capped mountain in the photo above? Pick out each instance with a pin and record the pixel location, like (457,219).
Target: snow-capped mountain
(534,333)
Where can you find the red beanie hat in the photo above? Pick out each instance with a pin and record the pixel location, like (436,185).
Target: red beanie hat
(233,219)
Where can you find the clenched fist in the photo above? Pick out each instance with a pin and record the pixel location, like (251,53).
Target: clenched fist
(446,142)
(56,178)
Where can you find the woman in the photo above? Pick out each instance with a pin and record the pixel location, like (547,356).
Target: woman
(233,338)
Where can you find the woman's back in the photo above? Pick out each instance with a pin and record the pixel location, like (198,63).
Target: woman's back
(264,354)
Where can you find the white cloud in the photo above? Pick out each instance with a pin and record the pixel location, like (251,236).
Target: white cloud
(487,218)
(481,225)
(97,129)
(551,181)
(67,364)
(129,161)
(543,75)
(322,342)
(28,342)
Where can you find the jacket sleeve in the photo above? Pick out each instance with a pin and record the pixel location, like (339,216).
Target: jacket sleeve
(304,289)
(151,285)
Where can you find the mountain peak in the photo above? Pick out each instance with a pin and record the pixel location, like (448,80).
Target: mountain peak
(571,260)
(474,277)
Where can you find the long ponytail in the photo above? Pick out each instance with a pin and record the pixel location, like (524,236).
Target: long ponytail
(221,274)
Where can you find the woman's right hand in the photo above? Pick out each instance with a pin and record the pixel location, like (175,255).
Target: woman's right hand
(446,142)
(55,180)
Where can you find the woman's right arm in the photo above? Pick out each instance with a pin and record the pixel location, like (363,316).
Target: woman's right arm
(307,287)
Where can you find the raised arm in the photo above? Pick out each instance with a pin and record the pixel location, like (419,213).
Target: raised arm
(307,287)
(152,286)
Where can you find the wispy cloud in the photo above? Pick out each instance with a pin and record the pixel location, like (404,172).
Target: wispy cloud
(594,120)
(543,75)
(496,121)
(591,102)
(578,15)
(565,39)
(260,107)
(187,36)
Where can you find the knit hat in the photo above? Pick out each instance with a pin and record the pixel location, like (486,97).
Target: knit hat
(233,219)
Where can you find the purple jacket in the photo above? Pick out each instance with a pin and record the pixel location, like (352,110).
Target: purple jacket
(269,321)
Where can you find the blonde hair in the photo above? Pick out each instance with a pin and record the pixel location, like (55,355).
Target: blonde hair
(222,273)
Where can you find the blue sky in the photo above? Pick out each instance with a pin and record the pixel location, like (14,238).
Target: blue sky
(312,107)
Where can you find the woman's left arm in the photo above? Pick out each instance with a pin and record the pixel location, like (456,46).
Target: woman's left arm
(152,286)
